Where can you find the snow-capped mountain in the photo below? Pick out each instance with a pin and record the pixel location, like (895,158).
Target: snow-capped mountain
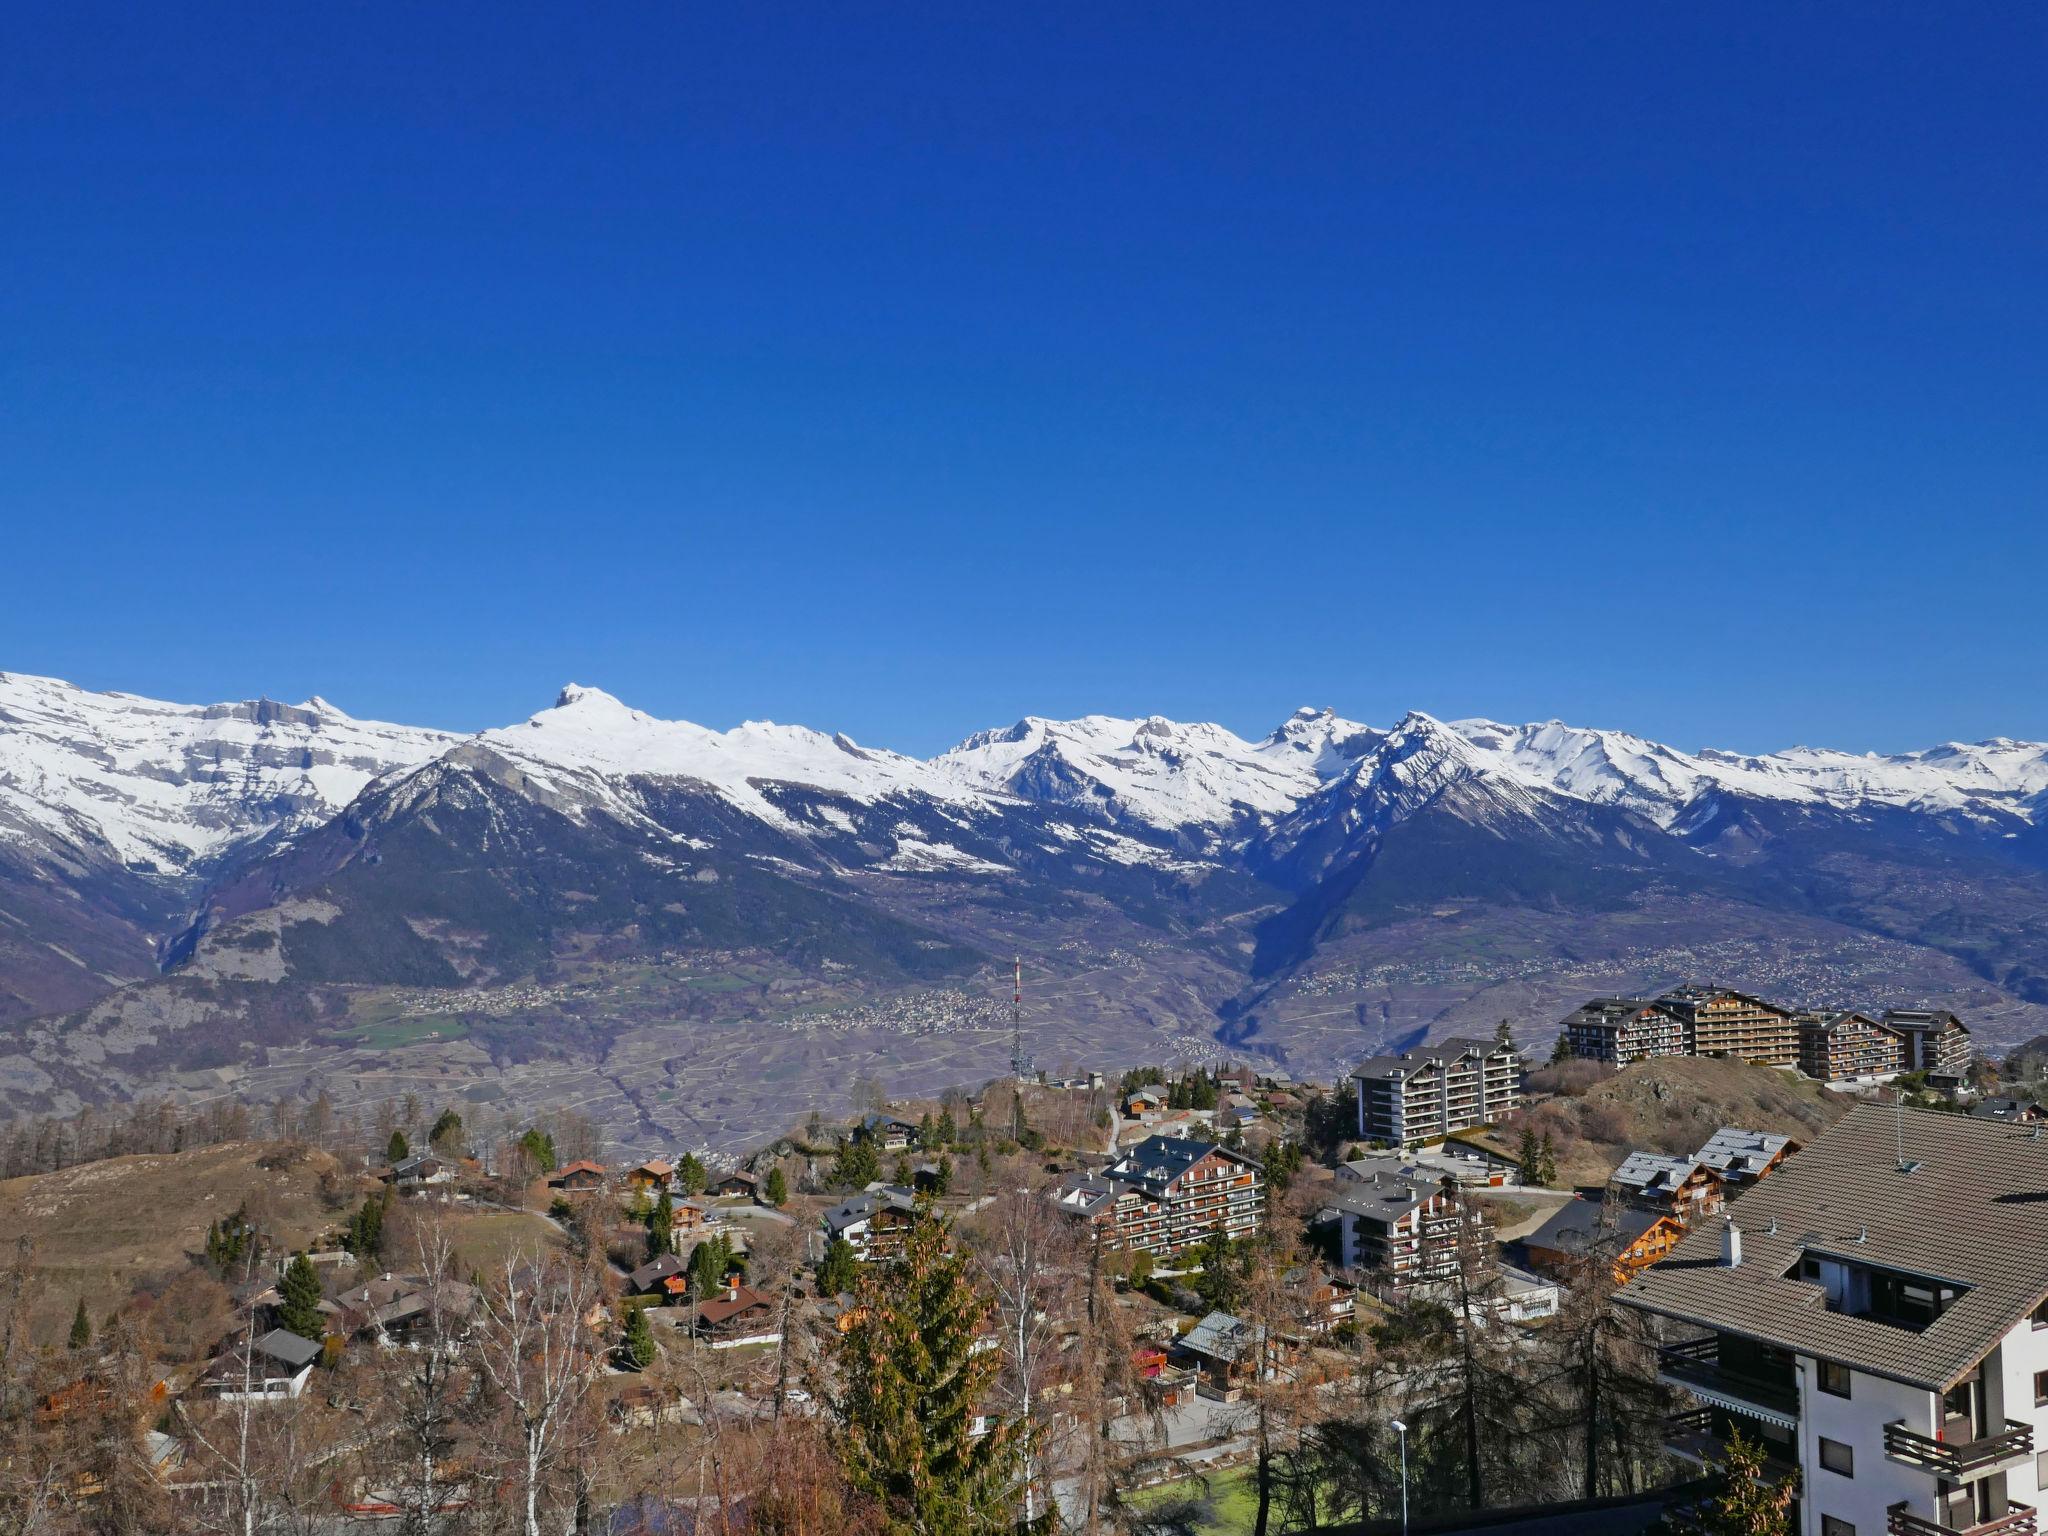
(162,789)
(131,829)
(1989,781)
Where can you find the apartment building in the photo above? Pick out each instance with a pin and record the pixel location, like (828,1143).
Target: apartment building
(1841,1047)
(1622,1029)
(1719,1021)
(1934,1040)
(1876,1311)
(1429,1093)
(1403,1231)
(1167,1194)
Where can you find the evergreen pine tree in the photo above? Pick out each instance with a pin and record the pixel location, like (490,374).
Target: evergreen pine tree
(904,1174)
(396,1150)
(81,1327)
(776,1190)
(1503,1036)
(839,1270)
(661,1227)
(299,1307)
(946,1132)
(1549,1161)
(637,1344)
(691,1176)
(1562,1051)
(1749,1503)
(1531,1158)
(447,1130)
(914,1383)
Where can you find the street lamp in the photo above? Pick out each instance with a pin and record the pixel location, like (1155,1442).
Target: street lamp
(1402,1430)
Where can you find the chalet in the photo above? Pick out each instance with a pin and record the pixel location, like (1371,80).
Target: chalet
(1585,1231)
(396,1308)
(887,1132)
(1166,1195)
(876,1222)
(1141,1101)
(1683,1187)
(737,1185)
(1227,1352)
(417,1172)
(1323,1299)
(647,1279)
(1237,1109)
(268,1369)
(740,1315)
(654,1174)
(580,1177)
(1742,1157)
(2010,1111)
(1840,1047)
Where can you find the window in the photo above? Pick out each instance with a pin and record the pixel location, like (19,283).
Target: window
(2041,1315)
(1834,1379)
(2040,1388)
(1830,1525)
(1837,1457)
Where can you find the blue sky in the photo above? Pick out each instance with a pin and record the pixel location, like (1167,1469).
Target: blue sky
(903,369)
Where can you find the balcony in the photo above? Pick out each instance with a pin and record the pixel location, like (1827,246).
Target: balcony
(1956,1460)
(1701,1435)
(2016,1521)
(1696,1365)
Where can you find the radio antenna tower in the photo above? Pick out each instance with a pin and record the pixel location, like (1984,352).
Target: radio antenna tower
(1020,1062)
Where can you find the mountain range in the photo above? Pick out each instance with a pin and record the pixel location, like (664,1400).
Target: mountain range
(212,888)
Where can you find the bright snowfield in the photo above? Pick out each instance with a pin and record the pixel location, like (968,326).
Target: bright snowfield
(164,787)
(170,786)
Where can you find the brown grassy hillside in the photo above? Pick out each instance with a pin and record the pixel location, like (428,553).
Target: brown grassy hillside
(1667,1104)
(100,1229)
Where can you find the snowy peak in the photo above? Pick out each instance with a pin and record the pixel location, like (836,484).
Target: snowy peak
(161,788)
(1164,773)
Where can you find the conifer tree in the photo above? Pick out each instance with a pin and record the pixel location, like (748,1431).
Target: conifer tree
(1549,1160)
(661,1227)
(1562,1051)
(1530,1157)
(1749,1504)
(776,1190)
(914,1384)
(839,1270)
(299,1307)
(81,1327)
(396,1150)
(691,1176)
(637,1344)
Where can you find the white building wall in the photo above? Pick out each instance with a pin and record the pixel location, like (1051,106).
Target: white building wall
(2021,1353)
(1858,1421)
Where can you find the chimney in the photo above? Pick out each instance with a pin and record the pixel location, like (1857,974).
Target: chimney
(1731,1243)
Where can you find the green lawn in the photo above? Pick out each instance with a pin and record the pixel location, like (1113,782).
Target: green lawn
(1232,1502)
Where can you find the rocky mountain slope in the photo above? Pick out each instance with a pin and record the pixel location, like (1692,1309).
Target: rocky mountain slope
(258,856)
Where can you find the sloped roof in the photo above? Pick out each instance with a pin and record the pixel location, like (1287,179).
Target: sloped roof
(1650,1173)
(1578,1225)
(1970,1209)
(1736,1152)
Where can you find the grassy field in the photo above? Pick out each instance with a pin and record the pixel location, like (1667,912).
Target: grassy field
(1231,1502)
(483,1238)
(98,1229)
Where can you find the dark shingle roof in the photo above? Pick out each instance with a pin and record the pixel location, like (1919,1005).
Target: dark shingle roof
(1578,1224)
(1973,1211)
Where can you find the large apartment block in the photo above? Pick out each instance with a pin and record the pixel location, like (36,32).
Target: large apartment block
(1840,1047)
(1876,1312)
(1721,1022)
(1429,1093)
(1622,1030)
(1167,1194)
(1935,1040)
(1405,1231)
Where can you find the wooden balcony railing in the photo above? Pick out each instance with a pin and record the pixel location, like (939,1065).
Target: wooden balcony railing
(1957,1459)
(2016,1521)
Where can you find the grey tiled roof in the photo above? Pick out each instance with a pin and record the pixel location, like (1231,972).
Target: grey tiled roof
(1973,1213)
